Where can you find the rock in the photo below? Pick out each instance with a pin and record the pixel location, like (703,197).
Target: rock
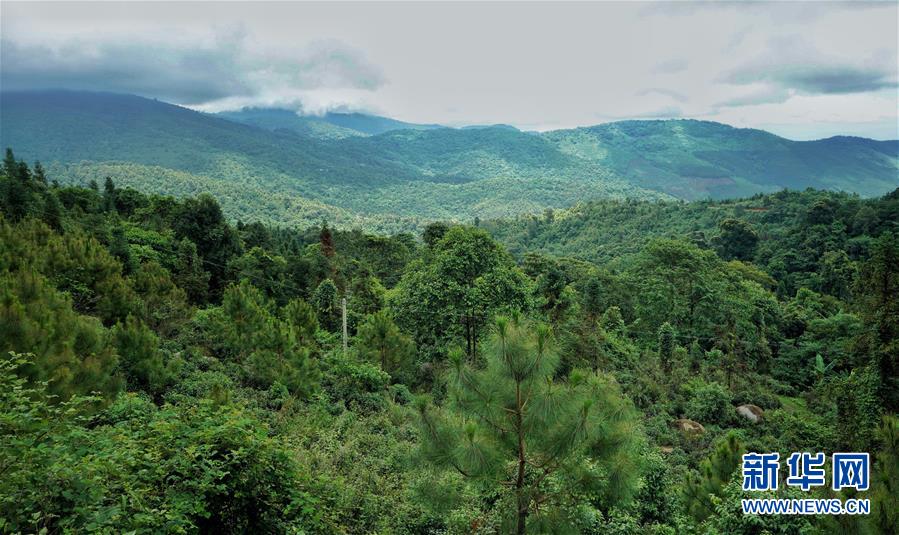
(666,449)
(753,413)
(688,426)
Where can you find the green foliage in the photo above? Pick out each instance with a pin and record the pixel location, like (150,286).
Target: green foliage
(710,482)
(379,340)
(737,240)
(509,423)
(327,305)
(666,346)
(858,409)
(450,295)
(201,221)
(72,352)
(708,403)
(140,359)
(140,468)
(266,347)
(239,389)
(885,476)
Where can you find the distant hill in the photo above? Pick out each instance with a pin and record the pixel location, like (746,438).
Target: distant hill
(697,159)
(605,231)
(394,179)
(327,126)
(276,166)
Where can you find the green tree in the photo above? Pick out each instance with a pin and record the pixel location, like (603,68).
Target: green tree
(452,292)
(52,215)
(736,239)
(72,352)
(201,221)
(16,188)
(327,305)
(188,272)
(380,340)
(884,517)
(268,349)
(545,441)
(265,270)
(434,232)
(666,346)
(879,298)
(714,473)
(109,195)
(139,357)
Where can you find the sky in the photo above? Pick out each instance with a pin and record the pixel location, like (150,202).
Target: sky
(803,70)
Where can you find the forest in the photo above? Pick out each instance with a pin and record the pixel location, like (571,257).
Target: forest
(600,369)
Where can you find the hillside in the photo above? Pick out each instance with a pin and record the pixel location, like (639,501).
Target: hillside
(607,231)
(227,390)
(399,176)
(387,175)
(697,159)
(326,126)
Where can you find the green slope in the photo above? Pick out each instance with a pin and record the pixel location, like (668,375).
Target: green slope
(301,169)
(696,159)
(607,230)
(428,174)
(326,126)
(278,119)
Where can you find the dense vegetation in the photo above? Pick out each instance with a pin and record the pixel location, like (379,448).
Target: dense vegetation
(275,175)
(356,170)
(697,159)
(330,125)
(165,370)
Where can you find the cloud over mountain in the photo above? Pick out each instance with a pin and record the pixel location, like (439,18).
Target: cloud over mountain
(192,70)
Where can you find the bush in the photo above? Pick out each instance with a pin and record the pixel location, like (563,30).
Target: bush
(709,403)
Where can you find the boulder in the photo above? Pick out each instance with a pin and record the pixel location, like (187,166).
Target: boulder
(688,426)
(753,413)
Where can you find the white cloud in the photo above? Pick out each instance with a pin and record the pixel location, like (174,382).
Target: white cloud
(811,66)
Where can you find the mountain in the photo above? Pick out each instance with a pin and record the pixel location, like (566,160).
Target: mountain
(607,231)
(327,126)
(388,181)
(276,166)
(697,159)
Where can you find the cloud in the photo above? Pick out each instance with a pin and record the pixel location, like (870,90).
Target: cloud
(790,64)
(817,78)
(758,94)
(195,71)
(670,66)
(665,112)
(679,97)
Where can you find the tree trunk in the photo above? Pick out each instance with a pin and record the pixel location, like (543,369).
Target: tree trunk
(519,483)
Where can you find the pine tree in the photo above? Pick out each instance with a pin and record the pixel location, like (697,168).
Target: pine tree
(119,247)
(52,211)
(39,174)
(666,346)
(188,272)
(109,195)
(380,340)
(714,474)
(513,424)
(326,240)
(139,356)
(267,348)
(327,308)
(884,518)
(16,188)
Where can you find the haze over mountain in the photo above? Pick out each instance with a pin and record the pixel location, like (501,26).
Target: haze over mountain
(330,125)
(277,166)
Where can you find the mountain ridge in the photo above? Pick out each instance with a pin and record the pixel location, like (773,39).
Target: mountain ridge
(421,173)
